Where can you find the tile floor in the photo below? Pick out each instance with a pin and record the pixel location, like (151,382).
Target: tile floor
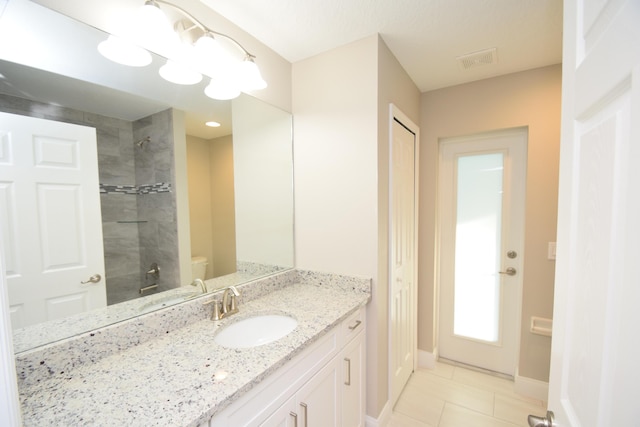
(453,396)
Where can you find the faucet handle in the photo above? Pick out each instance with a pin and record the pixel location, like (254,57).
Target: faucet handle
(233,304)
(216,314)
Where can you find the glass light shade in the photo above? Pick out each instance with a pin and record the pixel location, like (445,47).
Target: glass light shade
(124,52)
(151,16)
(221,90)
(178,73)
(207,44)
(249,77)
(154,31)
(212,124)
(209,56)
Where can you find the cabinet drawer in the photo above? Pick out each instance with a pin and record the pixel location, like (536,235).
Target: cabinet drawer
(352,325)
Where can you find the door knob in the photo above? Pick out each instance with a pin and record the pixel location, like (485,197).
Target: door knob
(509,272)
(93,279)
(548,421)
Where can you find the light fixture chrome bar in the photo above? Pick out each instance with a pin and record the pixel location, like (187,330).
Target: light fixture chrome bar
(199,24)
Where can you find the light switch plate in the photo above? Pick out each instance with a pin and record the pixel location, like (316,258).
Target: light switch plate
(551,251)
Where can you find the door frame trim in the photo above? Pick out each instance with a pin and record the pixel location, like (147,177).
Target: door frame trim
(519,130)
(396,114)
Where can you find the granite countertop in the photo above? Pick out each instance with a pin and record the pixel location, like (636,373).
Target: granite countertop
(56,330)
(171,380)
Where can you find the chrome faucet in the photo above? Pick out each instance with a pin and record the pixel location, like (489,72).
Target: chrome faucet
(197,282)
(227,306)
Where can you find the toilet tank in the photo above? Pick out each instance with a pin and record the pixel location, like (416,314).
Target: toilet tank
(198,267)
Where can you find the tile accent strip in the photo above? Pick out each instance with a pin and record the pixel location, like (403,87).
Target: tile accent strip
(160,187)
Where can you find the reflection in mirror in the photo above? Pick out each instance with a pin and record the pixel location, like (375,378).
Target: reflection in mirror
(145,148)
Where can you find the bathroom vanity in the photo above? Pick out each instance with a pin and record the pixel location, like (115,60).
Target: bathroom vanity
(182,377)
(322,386)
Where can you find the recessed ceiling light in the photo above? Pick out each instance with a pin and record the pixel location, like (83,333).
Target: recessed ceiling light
(212,124)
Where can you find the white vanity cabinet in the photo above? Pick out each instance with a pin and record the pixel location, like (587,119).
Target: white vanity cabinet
(323,386)
(315,404)
(353,372)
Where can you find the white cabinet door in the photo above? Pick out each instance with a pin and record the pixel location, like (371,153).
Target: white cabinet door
(284,416)
(318,403)
(353,383)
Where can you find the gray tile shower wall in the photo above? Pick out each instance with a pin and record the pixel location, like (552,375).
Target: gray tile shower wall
(154,164)
(120,162)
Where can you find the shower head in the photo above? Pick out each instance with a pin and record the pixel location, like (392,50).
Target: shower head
(141,143)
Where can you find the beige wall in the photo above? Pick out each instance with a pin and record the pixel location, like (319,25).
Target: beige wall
(263,169)
(335,157)
(394,87)
(340,105)
(531,99)
(211,212)
(223,218)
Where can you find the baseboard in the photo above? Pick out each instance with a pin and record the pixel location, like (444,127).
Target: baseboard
(427,360)
(531,387)
(382,420)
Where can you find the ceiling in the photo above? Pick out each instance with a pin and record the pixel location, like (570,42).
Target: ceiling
(426,36)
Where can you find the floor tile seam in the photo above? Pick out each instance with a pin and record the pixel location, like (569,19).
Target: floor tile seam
(441,395)
(476,412)
(396,411)
(488,384)
(441,413)
(449,381)
(465,387)
(523,399)
(506,393)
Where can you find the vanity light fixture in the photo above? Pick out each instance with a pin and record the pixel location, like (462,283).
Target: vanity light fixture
(124,52)
(176,72)
(191,48)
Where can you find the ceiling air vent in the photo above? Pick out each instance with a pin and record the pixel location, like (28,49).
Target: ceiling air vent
(478,59)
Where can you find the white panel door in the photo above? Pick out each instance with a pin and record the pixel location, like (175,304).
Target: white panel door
(402,242)
(50,218)
(481,222)
(595,380)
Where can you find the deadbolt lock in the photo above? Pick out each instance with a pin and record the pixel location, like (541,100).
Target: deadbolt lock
(512,254)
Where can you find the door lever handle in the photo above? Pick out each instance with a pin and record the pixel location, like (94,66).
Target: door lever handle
(93,279)
(548,421)
(509,272)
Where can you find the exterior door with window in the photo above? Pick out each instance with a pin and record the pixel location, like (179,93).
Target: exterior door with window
(482,193)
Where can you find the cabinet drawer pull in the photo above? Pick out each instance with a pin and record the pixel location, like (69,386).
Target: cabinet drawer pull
(348,381)
(304,406)
(295,418)
(358,322)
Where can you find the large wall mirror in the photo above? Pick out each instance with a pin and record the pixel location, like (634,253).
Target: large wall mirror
(174,194)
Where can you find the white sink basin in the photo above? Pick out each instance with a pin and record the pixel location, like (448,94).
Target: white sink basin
(255,331)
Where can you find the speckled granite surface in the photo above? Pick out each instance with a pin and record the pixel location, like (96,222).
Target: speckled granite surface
(169,380)
(57,330)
